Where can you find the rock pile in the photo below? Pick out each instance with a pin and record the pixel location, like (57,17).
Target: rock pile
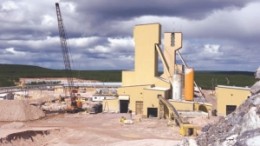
(240,128)
(19,110)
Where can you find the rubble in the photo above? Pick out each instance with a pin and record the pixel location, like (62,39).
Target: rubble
(242,127)
(54,107)
(19,110)
(255,88)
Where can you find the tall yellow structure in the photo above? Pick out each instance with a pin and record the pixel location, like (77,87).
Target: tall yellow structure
(146,38)
(142,86)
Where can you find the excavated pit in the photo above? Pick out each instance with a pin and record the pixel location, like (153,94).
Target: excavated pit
(28,137)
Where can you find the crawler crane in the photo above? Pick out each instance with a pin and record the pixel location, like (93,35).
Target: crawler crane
(66,58)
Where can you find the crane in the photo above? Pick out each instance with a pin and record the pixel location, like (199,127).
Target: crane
(66,55)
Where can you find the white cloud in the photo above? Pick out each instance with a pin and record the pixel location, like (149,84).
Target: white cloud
(34,44)
(8,6)
(121,43)
(48,21)
(211,49)
(14,52)
(83,41)
(99,49)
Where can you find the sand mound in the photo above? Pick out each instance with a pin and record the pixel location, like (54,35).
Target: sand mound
(18,110)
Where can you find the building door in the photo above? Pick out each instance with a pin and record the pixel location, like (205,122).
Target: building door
(123,106)
(230,109)
(152,112)
(139,107)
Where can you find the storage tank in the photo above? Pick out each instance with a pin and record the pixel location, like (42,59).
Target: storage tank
(177,87)
(189,84)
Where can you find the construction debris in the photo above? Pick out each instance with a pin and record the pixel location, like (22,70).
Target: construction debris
(19,110)
(54,107)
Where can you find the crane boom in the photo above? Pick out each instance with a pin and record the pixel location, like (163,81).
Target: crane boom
(65,49)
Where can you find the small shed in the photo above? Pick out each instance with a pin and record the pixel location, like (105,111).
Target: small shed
(229,98)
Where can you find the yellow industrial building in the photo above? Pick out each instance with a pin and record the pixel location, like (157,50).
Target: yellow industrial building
(142,86)
(229,98)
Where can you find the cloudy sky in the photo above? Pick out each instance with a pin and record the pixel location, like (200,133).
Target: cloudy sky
(218,34)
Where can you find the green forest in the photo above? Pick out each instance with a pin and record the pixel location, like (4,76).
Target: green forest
(10,74)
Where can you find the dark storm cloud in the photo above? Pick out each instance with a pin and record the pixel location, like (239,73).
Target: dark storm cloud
(118,9)
(103,18)
(216,32)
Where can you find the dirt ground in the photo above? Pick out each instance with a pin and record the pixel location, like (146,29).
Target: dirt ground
(103,129)
(83,129)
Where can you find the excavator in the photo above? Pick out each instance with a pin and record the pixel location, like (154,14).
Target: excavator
(76,105)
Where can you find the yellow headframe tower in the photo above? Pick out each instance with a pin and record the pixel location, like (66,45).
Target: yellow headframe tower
(143,85)
(147,48)
(146,93)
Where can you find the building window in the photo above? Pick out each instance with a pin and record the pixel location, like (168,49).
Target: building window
(230,109)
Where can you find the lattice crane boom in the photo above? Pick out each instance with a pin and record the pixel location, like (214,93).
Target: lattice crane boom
(65,49)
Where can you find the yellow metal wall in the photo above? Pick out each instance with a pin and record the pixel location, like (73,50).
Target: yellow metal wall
(146,58)
(110,105)
(151,100)
(230,96)
(183,106)
(134,92)
(140,93)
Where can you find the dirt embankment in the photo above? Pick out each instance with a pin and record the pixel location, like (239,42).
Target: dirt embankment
(19,110)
